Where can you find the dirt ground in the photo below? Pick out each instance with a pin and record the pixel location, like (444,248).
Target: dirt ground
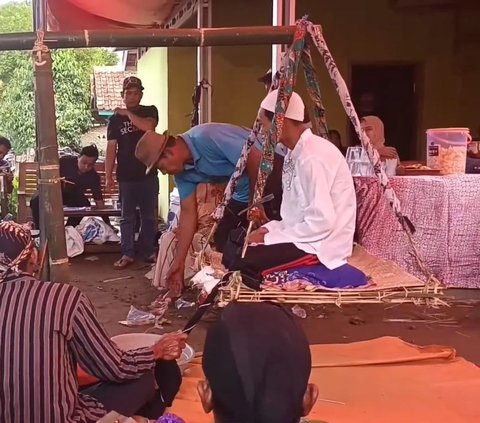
(457,326)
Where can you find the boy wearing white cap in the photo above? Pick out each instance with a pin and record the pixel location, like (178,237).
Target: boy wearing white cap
(318,207)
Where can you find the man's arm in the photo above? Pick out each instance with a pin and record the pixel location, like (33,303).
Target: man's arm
(98,355)
(147,123)
(144,124)
(186,227)
(110,157)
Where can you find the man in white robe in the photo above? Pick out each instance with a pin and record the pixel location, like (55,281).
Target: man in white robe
(318,208)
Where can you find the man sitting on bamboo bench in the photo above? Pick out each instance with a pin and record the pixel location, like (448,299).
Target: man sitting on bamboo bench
(318,207)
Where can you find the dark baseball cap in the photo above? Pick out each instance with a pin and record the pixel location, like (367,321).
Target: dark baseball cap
(267,78)
(132,82)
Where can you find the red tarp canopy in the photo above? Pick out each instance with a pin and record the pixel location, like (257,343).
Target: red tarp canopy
(65,15)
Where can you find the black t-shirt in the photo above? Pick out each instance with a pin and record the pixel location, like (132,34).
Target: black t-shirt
(127,135)
(83,181)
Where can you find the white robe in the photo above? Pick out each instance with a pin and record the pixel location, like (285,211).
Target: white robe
(319,203)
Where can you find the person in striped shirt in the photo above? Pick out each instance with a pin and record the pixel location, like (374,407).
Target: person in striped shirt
(47,329)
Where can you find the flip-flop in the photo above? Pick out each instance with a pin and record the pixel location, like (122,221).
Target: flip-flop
(123,263)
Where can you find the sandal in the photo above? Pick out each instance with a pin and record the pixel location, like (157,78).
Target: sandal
(123,262)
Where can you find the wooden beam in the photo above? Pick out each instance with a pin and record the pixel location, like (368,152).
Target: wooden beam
(51,207)
(235,36)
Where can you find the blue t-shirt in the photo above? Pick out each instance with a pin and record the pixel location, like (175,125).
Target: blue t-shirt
(216,148)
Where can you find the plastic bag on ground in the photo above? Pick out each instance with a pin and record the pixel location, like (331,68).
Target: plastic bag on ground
(74,240)
(95,230)
(136,317)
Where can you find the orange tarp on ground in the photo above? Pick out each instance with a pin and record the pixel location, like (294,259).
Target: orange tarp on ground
(377,381)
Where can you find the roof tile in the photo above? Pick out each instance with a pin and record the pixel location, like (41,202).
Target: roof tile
(107,87)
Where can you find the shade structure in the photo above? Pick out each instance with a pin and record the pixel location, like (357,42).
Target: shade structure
(94,14)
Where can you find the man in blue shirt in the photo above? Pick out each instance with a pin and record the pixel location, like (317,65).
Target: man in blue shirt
(207,153)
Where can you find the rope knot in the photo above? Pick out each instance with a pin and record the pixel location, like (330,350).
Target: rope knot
(39,48)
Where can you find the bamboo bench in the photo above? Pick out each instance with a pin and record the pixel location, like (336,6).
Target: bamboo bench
(28,187)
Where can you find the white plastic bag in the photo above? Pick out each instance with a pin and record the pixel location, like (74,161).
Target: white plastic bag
(205,279)
(95,230)
(75,246)
(174,211)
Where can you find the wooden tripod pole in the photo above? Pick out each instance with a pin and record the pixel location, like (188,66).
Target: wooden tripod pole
(51,206)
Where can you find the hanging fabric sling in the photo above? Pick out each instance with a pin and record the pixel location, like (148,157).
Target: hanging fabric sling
(300,52)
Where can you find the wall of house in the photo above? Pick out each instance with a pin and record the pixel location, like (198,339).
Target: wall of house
(374,32)
(152,69)
(182,76)
(236,94)
(357,33)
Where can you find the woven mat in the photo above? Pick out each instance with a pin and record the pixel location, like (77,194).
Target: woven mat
(384,274)
(406,383)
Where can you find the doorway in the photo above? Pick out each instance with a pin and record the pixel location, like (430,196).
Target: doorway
(389,92)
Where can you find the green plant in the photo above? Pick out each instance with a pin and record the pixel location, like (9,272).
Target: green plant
(72,72)
(13,199)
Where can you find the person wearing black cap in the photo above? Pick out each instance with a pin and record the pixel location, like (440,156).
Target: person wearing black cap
(137,188)
(257,363)
(266,80)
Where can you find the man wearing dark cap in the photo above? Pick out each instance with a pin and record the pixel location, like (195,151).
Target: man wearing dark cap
(137,189)
(257,363)
(266,80)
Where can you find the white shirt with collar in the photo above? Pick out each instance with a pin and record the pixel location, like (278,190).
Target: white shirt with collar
(319,203)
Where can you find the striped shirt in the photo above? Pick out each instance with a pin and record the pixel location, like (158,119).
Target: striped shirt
(45,330)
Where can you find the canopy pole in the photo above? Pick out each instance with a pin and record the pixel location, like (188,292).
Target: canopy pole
(204,37)
(277,20)
(40,24)
(51,204)
(283,14)
(204,63)
(40,15)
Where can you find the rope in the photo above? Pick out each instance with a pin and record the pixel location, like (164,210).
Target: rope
(255,134)
(53,181)
(342,90)
(39,48)
(285,89)
(300,52)
(319,119)
(196,99)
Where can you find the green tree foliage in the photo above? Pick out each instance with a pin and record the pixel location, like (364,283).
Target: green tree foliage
(72,72)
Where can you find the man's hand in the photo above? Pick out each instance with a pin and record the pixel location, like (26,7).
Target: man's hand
(258,215)
(175,278)
(121,112)
(258,236)
(109,184)
(170,347)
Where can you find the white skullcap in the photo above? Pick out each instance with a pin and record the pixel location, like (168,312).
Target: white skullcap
(295,109)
